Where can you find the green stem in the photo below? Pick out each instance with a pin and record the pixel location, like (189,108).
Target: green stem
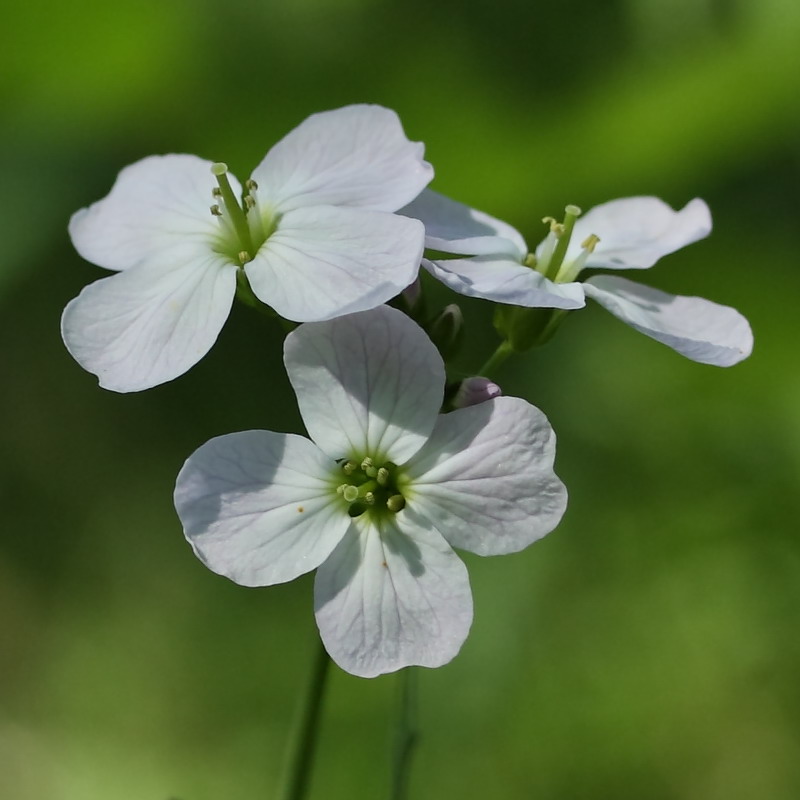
(305,735)
(504,350)
(406,734)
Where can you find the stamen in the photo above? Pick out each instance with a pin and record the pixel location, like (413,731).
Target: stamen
(215,210)
(369,499)
(349,467)
(382,476)
(251,185)
(244,257)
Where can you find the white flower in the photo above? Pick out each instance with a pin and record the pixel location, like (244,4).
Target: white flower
(632,233)
(380,496)
(314,235)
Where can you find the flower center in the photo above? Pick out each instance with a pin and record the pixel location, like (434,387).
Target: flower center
(243,226)
(550,261)
(369,487)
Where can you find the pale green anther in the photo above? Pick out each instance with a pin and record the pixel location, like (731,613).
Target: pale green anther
(590,242)
(249,201)
(382,476)
(366,463)
(369,499)
(349,467)
(340,489)
(530,260)
(396,503)
(251,185)
(216,211)
(350,493)
(244,257)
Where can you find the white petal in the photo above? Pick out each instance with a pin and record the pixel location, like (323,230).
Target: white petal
(353,156)
(453,227)
(698,329)
(367,384)
(324,262)
(392,598)
(260,507)
(485,478)
(151,323)
(156,203)
(503,280)
(635,232)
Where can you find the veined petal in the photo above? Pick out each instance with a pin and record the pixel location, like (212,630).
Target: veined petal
(366,384)
(353,156)
(259,507)
(503,280)
(324,262)
(698,329)
(151,323)
(453,227)
(635,232)
(392,598)
(156,203)
(485,478)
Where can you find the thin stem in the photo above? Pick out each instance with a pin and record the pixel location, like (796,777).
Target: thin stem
(305,736)
(406,734)
(504,350)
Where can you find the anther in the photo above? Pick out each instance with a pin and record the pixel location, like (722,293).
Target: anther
(396,503)
(349,467)
(382,476)
(590,242)
(251,185)
(249,201)
(215,210)
(216,192)
(350,493)
(244,257)
(369,499)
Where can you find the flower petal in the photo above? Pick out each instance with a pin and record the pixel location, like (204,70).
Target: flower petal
(259,507)
(453,227)
(635,232)
(324,262)
(151,323)
(390,598)
(698,329)
(367,384)
(353,156)
(485,478)
(503,280)
(156,203)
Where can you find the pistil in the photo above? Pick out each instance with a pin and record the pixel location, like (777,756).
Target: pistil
(231,212)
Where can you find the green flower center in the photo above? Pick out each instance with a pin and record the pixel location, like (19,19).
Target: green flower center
(550,261)
(370,487)
(244,226)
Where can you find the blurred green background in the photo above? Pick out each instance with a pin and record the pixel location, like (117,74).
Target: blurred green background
(646,649)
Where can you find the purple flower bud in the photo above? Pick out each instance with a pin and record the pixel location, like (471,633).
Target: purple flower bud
(475,390)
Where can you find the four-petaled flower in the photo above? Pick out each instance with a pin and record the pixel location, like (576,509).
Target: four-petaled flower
(379,498)
(631,233)
(314,233)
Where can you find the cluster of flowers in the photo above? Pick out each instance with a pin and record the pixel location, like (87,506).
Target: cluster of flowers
(333,224)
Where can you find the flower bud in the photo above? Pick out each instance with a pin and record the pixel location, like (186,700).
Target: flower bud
(475,390)
(447,331)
